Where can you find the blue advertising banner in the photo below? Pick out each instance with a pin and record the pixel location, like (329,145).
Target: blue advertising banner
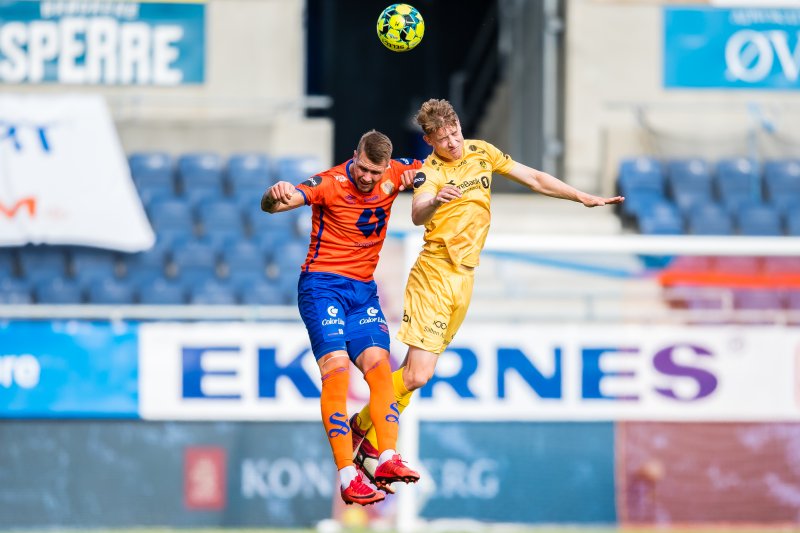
(68,369)
(102,43)
(520,472)
(706,47)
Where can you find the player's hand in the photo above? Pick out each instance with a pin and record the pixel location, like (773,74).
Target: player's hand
(407,179)
(590,200)
(447,193)
(282,192)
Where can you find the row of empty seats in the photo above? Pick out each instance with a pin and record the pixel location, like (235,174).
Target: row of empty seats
(214,244)
(736,196)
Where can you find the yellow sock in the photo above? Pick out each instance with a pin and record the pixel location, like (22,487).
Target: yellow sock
(401,394)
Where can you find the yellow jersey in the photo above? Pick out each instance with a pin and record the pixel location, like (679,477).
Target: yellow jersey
(458,229)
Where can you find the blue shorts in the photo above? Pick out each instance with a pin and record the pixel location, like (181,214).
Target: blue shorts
(341,314)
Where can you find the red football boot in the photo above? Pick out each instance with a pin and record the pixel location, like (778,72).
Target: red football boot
(394,470)
(359,492)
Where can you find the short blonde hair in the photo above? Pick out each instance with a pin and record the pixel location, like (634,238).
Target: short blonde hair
(376,146)
(436,114)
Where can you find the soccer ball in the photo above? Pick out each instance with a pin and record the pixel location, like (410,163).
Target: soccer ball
(400,27)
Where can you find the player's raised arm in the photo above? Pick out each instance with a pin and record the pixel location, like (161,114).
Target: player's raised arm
(544,183)
(281,197)
(425,204)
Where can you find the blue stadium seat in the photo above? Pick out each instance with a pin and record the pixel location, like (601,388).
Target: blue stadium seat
(641,202)
(212,293)
(709,219)
(662,219)
(58,291)
(153,174)
(288,259)
(781,178)
(271,242)
(201,176)
(759,220)
(39,263)
(14,291)
(221,221)
(7,262)
(109,291)
(640,174)
(153,261)
(243,255)
(787,202)
(172,220)
(248,172)
(793,223)
(738,182)
(260,222)
(690,183)
(195,262)
(162,292)
(264,293)
(296,169)
(89,264)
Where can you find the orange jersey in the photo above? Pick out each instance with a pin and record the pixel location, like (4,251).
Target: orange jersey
(348,226)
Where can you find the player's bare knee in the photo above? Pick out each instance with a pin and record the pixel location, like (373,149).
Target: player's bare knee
(416,378)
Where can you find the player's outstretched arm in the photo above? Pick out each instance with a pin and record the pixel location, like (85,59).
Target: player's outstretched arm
(281,197)
(544,183)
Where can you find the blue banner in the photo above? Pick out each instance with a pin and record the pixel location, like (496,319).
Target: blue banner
(68,369)
(102,43)
(706,47)
(520,472)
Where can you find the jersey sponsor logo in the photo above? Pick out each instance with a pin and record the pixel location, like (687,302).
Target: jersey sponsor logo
(340,178)
(387,187)
(419,179)
(339,420)
(485,182)
(332,310)
(313,181)
(372,311)
(439,324)
(406,318)
(368,226)
(405,160)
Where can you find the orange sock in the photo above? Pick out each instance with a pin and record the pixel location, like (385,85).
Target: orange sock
(333,403)
(383,409)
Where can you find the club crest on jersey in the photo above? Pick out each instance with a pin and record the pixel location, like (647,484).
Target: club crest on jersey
(419,179)
(387,187)
(340,179)
(313,181)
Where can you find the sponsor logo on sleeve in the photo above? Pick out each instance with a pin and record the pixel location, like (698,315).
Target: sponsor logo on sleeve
(419,179)
(313,181)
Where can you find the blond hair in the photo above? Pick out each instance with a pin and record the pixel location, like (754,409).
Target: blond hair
(435,114)
(376,146)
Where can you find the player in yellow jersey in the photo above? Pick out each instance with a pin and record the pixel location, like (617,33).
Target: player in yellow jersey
(452,199)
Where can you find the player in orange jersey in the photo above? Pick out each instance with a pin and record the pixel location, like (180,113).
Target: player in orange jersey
(338,299)
(452,200)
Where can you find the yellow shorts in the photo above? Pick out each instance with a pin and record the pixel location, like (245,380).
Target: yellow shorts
(436,301)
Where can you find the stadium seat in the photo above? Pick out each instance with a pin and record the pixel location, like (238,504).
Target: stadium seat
(781,178)
(7,263)
(690,183)
(200,176)
(640,174)
(296,169)
(221,221)
(759,220)
(249,172)
(264,293)
(793,223)
(41,263)
(691,263)
(787,202)
(709,219)
(212,293)
(153,261)
(641,202)
(195,262)
(90,264)
(109,291)
(662,219)
(161,292)
(58,291)
(172,220)
(288,259)
(153,174)
(14,291)
(738,182)
(260,222)
(243,256)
